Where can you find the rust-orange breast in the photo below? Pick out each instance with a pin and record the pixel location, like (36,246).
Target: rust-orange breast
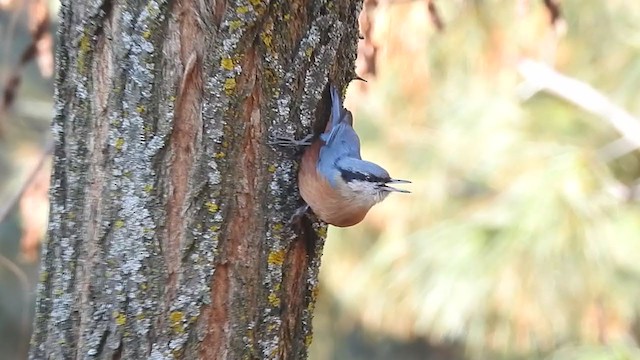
(326,202)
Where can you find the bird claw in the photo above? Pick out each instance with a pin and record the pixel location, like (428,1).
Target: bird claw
(291,142)
(299,214)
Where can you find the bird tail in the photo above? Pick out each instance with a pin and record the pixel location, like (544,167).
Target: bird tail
(339,116)
(336,106)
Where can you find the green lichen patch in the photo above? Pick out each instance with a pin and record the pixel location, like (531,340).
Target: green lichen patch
(119,224)
(119,144)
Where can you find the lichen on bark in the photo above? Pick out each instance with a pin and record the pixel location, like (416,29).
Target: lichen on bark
(169,233)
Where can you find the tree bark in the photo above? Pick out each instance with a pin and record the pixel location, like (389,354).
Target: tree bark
(169,233)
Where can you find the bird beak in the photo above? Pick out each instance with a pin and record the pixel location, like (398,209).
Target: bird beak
(396,181)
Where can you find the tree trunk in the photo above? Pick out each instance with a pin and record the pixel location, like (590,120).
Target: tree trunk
(169,233)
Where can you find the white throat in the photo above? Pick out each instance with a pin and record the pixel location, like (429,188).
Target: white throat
(363,193)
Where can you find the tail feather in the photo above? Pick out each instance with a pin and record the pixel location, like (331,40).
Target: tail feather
(336,106)
(339,137)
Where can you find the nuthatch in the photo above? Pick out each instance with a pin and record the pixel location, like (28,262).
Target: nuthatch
(333,179)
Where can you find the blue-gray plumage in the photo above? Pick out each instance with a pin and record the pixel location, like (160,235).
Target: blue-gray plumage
(335,182)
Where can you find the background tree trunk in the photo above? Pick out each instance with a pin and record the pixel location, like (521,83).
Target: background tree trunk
(169,233)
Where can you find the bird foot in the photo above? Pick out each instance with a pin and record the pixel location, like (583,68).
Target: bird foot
(291,142)
(299,214)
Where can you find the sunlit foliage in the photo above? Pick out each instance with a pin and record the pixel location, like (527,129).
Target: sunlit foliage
(520,238)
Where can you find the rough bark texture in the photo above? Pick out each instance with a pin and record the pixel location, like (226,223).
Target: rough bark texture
(169,231)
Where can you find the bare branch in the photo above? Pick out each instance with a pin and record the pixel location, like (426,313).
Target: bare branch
(40,49)
(13,200)
(11,267)
(539,76)
(617,148)
(434,14)
(555,14)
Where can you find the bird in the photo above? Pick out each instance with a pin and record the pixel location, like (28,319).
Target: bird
(334,181)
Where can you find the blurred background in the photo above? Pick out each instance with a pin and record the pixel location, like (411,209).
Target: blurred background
(26,109)
(519,124)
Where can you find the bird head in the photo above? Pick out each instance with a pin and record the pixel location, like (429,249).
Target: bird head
(366,183)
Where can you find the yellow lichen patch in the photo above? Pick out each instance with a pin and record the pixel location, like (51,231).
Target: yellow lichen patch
(235,24)
(146,34)
(120,318)
(243,9)
(255,2)
(176,318)
(267,40)
(271,168)
(211,207)
(84,48)
(270,76)
(274,300)
(287,17)
(119,224)
(151,9)
(85,43)
(276,257)
(119,143)
(140,109)
(308,52)
(274,353)
(229,86)
(214,228)
(148,188)
(314,294)
(227,63)
(277,227)
(43,276)
(219,155)
(308,339)
(322,232)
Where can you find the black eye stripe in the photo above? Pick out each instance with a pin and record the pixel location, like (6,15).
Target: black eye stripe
(348,176)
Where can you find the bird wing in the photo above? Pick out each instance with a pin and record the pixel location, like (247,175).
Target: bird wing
(341,141)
